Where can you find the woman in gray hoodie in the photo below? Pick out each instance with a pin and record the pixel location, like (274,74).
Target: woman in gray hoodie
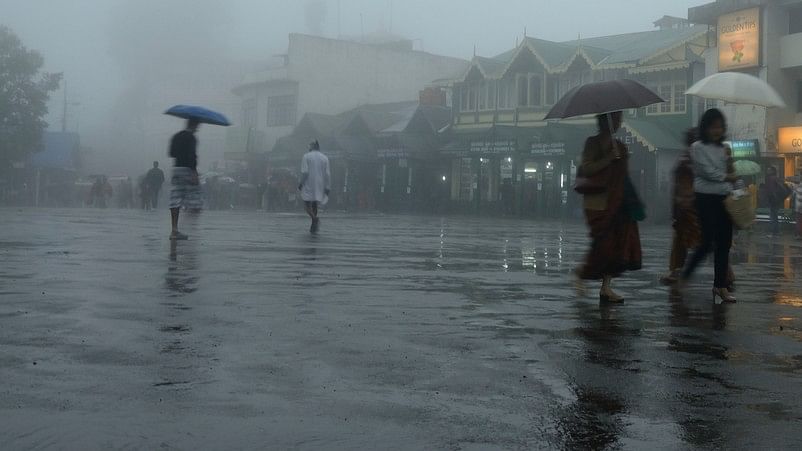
(712,183)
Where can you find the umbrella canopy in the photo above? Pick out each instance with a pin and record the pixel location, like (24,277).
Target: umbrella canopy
(746,168)
(603,97)
(198,113)
(735,87)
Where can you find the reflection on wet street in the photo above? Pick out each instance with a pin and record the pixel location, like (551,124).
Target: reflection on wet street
(380,333)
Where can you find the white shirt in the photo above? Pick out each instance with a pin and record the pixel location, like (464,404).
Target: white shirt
(798,195)
(315,177)
(710,169)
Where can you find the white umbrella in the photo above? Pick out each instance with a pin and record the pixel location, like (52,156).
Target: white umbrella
(735,87)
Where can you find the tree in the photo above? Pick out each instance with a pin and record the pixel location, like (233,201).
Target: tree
(24,92)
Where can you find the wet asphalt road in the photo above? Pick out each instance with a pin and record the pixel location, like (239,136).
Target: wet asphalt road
(380,333)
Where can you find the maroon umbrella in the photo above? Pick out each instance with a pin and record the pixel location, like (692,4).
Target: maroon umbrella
(603,97)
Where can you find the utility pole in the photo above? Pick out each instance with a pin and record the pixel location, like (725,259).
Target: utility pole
(64,108)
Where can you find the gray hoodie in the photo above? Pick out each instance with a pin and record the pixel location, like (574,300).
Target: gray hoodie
(710,169)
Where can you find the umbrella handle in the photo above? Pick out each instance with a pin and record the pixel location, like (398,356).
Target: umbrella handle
(612,136)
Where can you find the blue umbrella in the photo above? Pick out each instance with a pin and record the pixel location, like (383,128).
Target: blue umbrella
(198,113)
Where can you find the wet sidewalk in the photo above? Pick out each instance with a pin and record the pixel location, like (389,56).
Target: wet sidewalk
(394,332)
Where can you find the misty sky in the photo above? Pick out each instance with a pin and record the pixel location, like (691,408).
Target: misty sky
(82,37)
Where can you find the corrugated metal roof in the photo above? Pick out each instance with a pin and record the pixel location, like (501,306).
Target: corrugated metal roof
(59,151)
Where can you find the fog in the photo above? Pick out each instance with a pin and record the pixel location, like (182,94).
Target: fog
(125,60)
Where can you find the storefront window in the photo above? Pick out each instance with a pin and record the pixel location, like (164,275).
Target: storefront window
(463,98)
(665,92)
(473,90)
(530,171)
(466,179)
(505,93)
(506,169)
(671,87)
(535,90)
(679,97)
(552,89)
(488,179)
(523,91)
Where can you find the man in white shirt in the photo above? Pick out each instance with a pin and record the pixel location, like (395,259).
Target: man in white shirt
(315,182)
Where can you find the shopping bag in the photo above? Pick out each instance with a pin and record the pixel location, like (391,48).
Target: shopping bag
(739,206)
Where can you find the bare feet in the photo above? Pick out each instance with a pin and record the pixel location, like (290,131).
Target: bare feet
(176,235)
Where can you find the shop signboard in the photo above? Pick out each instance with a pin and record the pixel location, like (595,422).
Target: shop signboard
(499,146)
(739,40)
(392,153)
(547,149)
(790,140)
(744,148)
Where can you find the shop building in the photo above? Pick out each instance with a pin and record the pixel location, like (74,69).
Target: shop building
(505,158)
(328,76)
(762,38)
(382,156)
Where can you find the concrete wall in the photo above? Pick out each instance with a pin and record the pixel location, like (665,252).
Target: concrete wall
(337,75)
(775,27)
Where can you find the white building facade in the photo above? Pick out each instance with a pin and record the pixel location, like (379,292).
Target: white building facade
(327,76)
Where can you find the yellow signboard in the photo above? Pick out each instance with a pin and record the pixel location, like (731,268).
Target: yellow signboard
(790,140)
(739,40)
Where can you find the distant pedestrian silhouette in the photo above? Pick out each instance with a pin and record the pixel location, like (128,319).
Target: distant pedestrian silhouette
(315,183)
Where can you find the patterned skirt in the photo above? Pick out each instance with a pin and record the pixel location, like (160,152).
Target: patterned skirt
(185,192)
(615,246)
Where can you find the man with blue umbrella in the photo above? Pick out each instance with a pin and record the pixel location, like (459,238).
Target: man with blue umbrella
(186,192)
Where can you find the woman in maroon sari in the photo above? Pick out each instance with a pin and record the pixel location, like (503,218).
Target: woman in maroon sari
(612,213)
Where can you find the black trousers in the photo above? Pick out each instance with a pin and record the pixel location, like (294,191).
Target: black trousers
(774,217)
(154,199)
(716,226)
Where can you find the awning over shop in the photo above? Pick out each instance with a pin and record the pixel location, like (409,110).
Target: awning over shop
(554,139)
(561,139)
(654,136)
(495,140)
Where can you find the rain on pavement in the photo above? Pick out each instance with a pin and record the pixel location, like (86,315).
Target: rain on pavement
(391,332)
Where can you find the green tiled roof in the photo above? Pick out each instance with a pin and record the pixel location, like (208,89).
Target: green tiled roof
(616,49)
(632,47)
(553,53)
(491,67)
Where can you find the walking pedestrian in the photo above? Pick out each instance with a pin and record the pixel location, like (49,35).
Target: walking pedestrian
(125,193)
(687,234)
(776,193)
(611,213)
(185,192)
(315,182)
(155,180)
(144,196)
(101,192)
(798,205)
(712,183)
